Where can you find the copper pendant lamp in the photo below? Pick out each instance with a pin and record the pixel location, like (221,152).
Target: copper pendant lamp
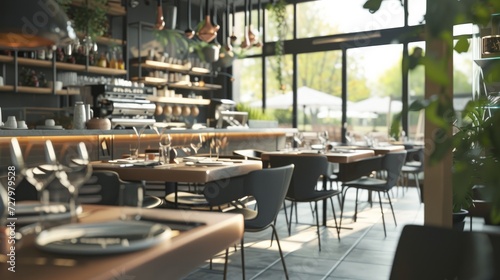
(27,24)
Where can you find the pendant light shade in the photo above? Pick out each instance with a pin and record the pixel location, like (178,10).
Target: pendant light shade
(28,24)
(160,22)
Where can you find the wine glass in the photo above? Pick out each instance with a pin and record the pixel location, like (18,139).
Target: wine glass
(196,142)
(134,151)
(298,137)
(215,144)
(323,138)
(165,144)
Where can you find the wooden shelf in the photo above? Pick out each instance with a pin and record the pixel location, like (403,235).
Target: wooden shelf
(113,8)
(186,69)
(63,66)
(40,90)
(6,88)
(150,81)
(106,71)
(104,40)
(192,87)
(174,100)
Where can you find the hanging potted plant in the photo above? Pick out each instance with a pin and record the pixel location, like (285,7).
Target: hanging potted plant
(89,19)
(278,13)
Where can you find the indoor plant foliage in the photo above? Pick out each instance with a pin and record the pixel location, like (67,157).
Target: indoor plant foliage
(278,12)
(89,19)
(472,135)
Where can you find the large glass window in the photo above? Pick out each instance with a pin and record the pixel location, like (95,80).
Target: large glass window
(416,12)
(272,25)
(319,92)
(278,94)
(373,91)
(328,17)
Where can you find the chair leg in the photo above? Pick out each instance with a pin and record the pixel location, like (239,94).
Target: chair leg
(342,207)
(290,220)
(317,224)
(356,206)
(242,258)
(286,218)
(225,263)
(392,210)
(417,184)
(335,219)
(382,210)
(296,210)
(279,248)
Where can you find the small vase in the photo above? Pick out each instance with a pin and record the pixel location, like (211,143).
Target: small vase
(79,116)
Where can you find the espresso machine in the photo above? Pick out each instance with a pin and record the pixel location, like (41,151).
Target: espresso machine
(222,114)
(125,106)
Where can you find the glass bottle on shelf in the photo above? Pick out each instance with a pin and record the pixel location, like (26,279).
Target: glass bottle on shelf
(112,62)
(102,61)
(120,63)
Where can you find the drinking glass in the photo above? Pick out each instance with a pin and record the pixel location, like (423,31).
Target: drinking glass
(134,151)
(298,137)
(196,142)
(323,137)
(215,144)
(165,144)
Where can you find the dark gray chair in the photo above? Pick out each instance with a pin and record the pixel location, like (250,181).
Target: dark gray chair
(391,164)
(106,187)
(308,169)
(414,165)
(248,153)
(427,252)
(268,187)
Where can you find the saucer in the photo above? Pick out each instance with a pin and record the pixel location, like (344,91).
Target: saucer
(13,128)
(52,127)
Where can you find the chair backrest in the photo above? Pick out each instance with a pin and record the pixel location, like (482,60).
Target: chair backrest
(248,153)
(393,163)
(308,169)
(426,252)
(416,155)
(103,187)
(269,187)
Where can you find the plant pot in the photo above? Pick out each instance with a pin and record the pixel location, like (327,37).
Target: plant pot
(459,219)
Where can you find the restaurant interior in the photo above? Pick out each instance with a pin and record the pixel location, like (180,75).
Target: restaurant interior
(259,139)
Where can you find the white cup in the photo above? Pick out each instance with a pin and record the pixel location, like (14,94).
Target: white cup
(11,122)
(50,122)
(21,124)
(57,86)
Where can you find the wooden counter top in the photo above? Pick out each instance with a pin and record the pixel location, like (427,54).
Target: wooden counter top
(171,259)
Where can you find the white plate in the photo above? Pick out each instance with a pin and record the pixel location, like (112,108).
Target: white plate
(212,162)
(12,128)
(109,237)
(30,212)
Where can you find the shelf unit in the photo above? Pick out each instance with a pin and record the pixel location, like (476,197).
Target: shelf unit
(54,65)
(183,69)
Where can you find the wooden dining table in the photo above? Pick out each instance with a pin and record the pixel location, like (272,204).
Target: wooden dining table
(185,172)
(181,172)
(196,236)
(354,161)
(336,156)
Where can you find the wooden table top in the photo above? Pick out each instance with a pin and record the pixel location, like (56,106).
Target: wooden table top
(340,156)
(181,172)
(171,259)
(380,150)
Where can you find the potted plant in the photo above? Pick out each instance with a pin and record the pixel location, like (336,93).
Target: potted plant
(471,135)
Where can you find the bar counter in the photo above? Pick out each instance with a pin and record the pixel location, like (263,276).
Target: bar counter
(113,144)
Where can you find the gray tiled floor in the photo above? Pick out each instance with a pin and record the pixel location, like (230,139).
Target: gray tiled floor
(363,251)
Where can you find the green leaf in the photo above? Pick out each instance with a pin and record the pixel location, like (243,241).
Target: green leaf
(436,71)
(462,45)
(372,5)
